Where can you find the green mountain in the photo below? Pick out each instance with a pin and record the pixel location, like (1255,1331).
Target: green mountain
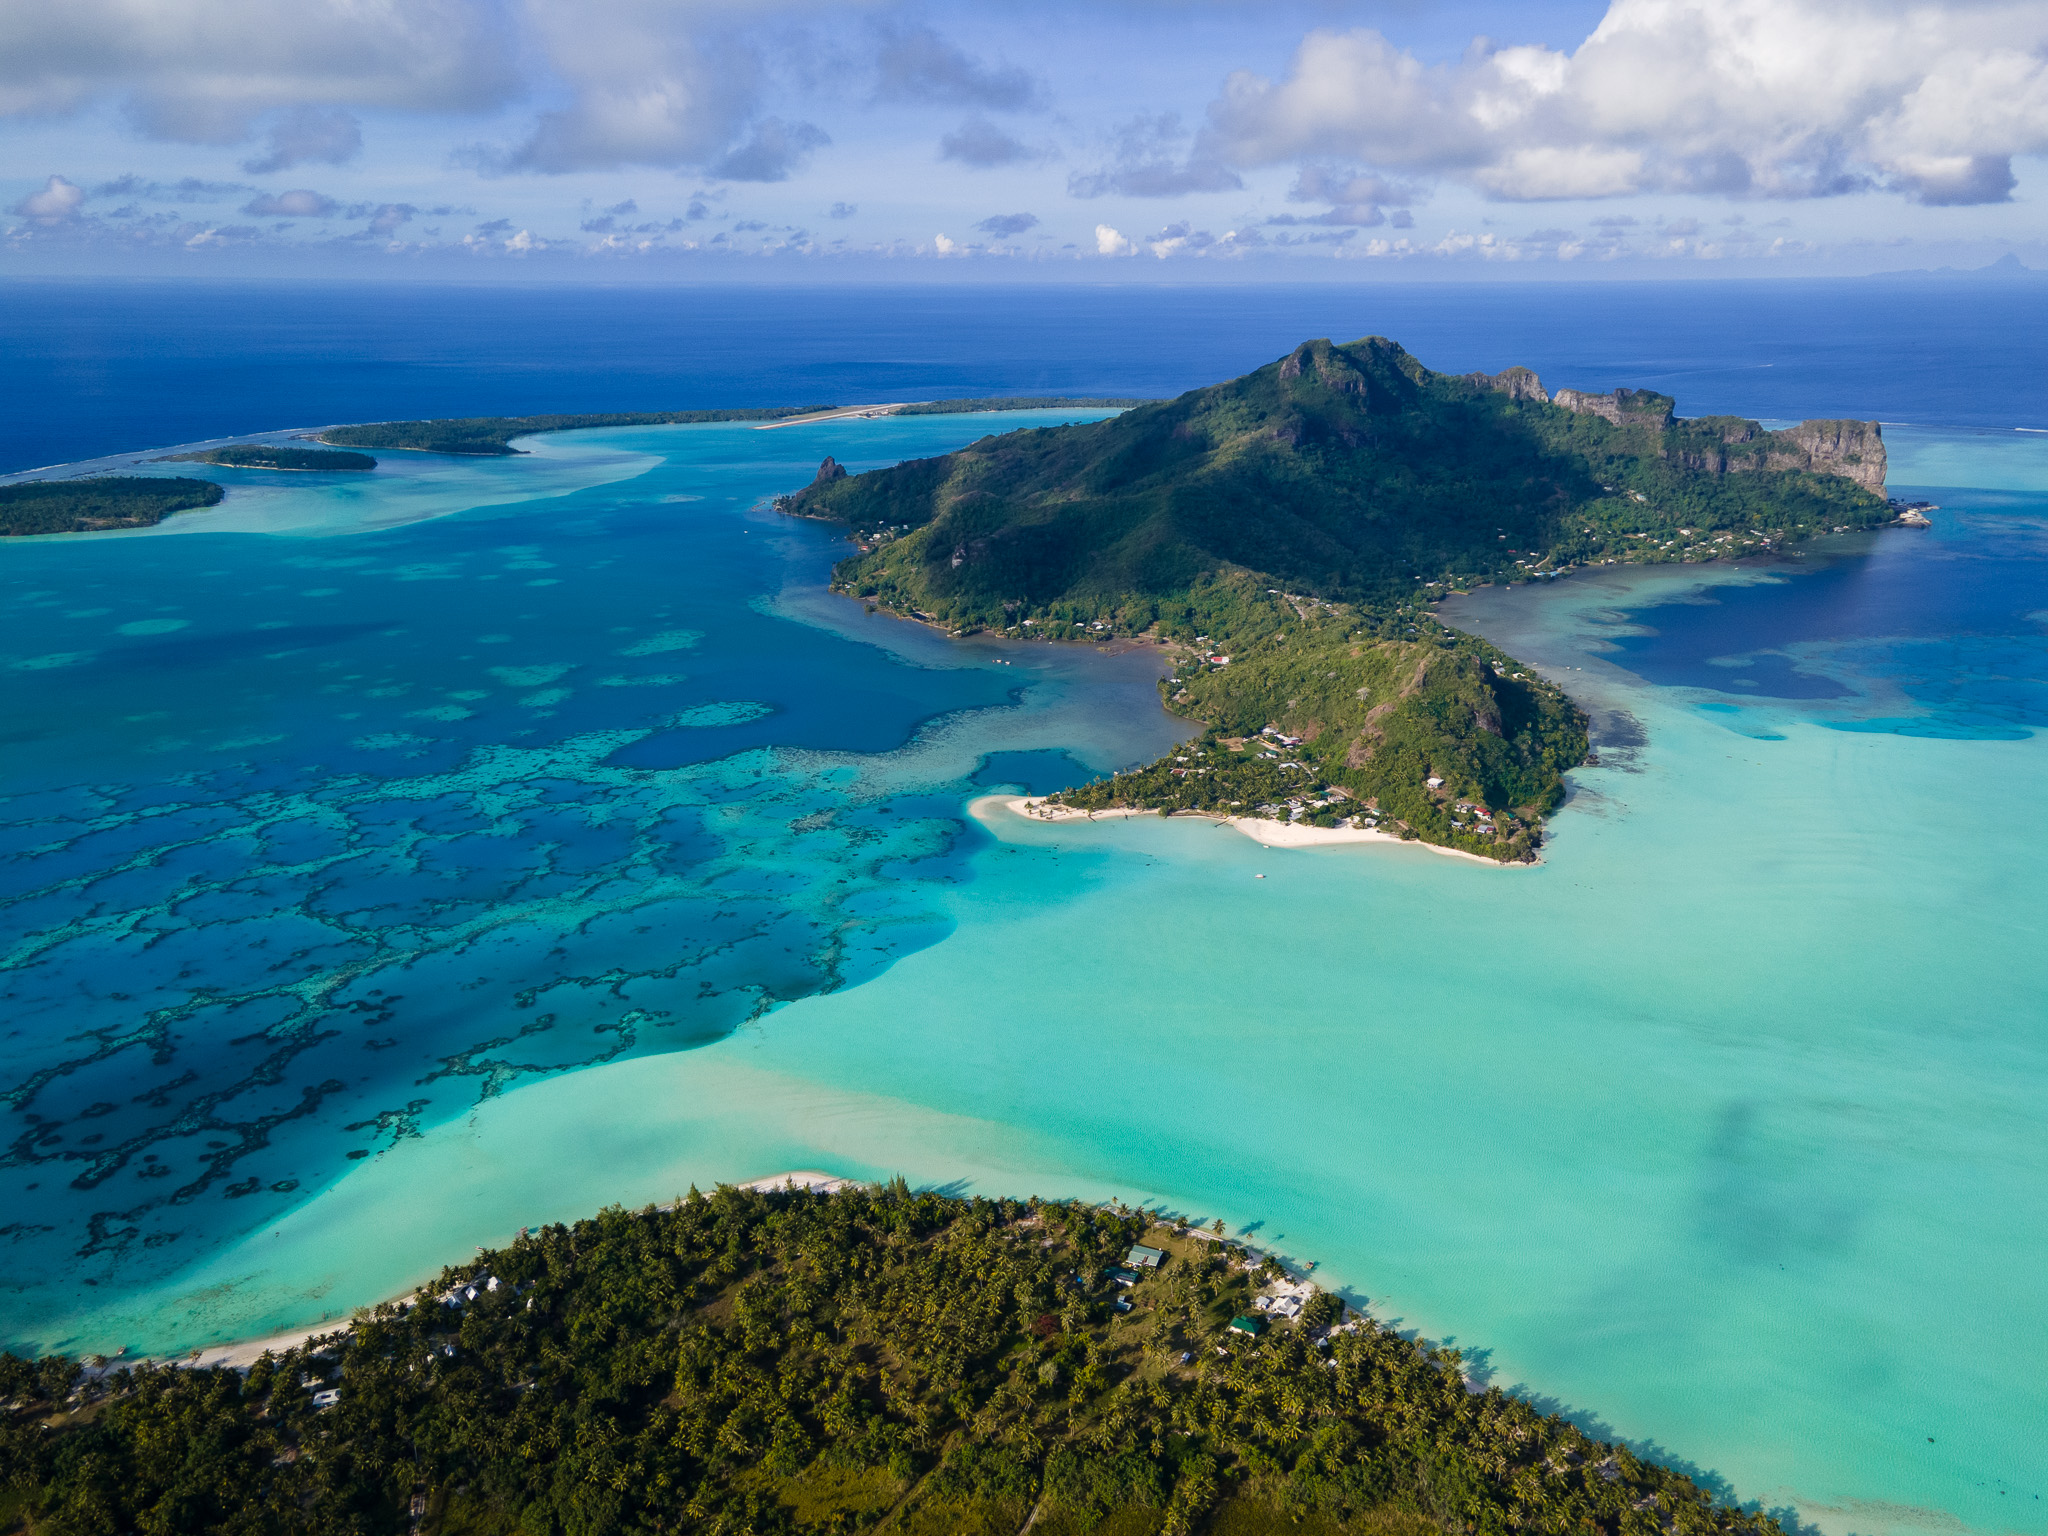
(1285,532)
(802,1364)
(1352,472)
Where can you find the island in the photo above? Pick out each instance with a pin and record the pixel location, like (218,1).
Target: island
(1286,535)
(1019,403)
(492,435)
(871,1358)
(271,456)
(98,503)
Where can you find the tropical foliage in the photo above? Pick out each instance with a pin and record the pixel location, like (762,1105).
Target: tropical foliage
(875,1359)
(107,501)
(273,456)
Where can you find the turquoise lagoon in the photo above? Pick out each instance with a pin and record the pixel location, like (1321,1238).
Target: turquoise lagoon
(573,850)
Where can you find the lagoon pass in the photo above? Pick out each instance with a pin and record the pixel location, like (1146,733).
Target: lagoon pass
(396,861)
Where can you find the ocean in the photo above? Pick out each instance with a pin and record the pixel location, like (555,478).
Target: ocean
(394,862)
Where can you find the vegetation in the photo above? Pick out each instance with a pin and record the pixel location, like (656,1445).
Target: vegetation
(1018,403)
(1350,472)
(799,1362)
(1324,712)
(1370,486)
(271,456)
(108,501)
(492,435)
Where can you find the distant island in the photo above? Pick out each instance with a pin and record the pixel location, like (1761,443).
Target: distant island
(100,503)
(873,1359)
(1019,403)
(492,435)
(270,456)
(1286,533)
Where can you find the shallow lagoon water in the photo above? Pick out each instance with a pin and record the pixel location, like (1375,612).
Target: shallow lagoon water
(1722,1128)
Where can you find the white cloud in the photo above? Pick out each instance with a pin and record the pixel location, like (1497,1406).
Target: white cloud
(1773,98)
(944,246)
(1109,242)
(201,71)
(58,203)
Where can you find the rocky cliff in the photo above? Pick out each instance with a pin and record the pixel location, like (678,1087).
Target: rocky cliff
(1717,444)
(1851,449)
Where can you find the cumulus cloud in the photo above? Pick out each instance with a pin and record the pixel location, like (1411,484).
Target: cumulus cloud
(202,71)
(58,203)
(1148,162)
(303,203)
(639,98)
(1005,224)
(1108,242)
(329,135)
(980,143)
(1757,98)
(915,64)
(842,210)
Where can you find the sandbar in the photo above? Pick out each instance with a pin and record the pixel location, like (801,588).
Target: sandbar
(1260,829)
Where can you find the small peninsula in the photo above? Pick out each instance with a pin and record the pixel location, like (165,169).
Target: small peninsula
(1286,534)
(271,456)
(492,435)
(100,503)
(870,1359)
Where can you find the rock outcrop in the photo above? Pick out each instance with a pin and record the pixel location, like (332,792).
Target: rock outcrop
(1516,383)
(829,471)
(1625,407)
(1717,444)
(1851,449)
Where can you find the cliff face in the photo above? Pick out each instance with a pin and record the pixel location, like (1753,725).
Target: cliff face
(1851,449)
(1516,383)
(1625,407)
(1717,444)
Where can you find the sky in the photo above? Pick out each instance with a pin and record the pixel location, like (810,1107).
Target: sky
(1115,140)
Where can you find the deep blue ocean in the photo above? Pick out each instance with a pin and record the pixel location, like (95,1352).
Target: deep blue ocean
(361,805)
(100,368)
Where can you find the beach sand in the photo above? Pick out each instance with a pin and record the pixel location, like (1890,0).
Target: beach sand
(1260,829)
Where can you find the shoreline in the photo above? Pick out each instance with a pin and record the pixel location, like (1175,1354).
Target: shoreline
(1262,830)
(240,1354)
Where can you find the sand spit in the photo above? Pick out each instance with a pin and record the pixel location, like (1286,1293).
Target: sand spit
(1260,829)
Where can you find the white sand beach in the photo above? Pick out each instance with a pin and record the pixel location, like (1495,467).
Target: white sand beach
(1260,829)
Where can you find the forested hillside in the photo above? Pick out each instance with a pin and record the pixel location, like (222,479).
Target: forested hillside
(874,1360)
(1351,473)
(1286,531)
(1365,708)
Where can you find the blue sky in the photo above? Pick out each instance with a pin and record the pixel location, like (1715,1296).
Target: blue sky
(1142,140)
